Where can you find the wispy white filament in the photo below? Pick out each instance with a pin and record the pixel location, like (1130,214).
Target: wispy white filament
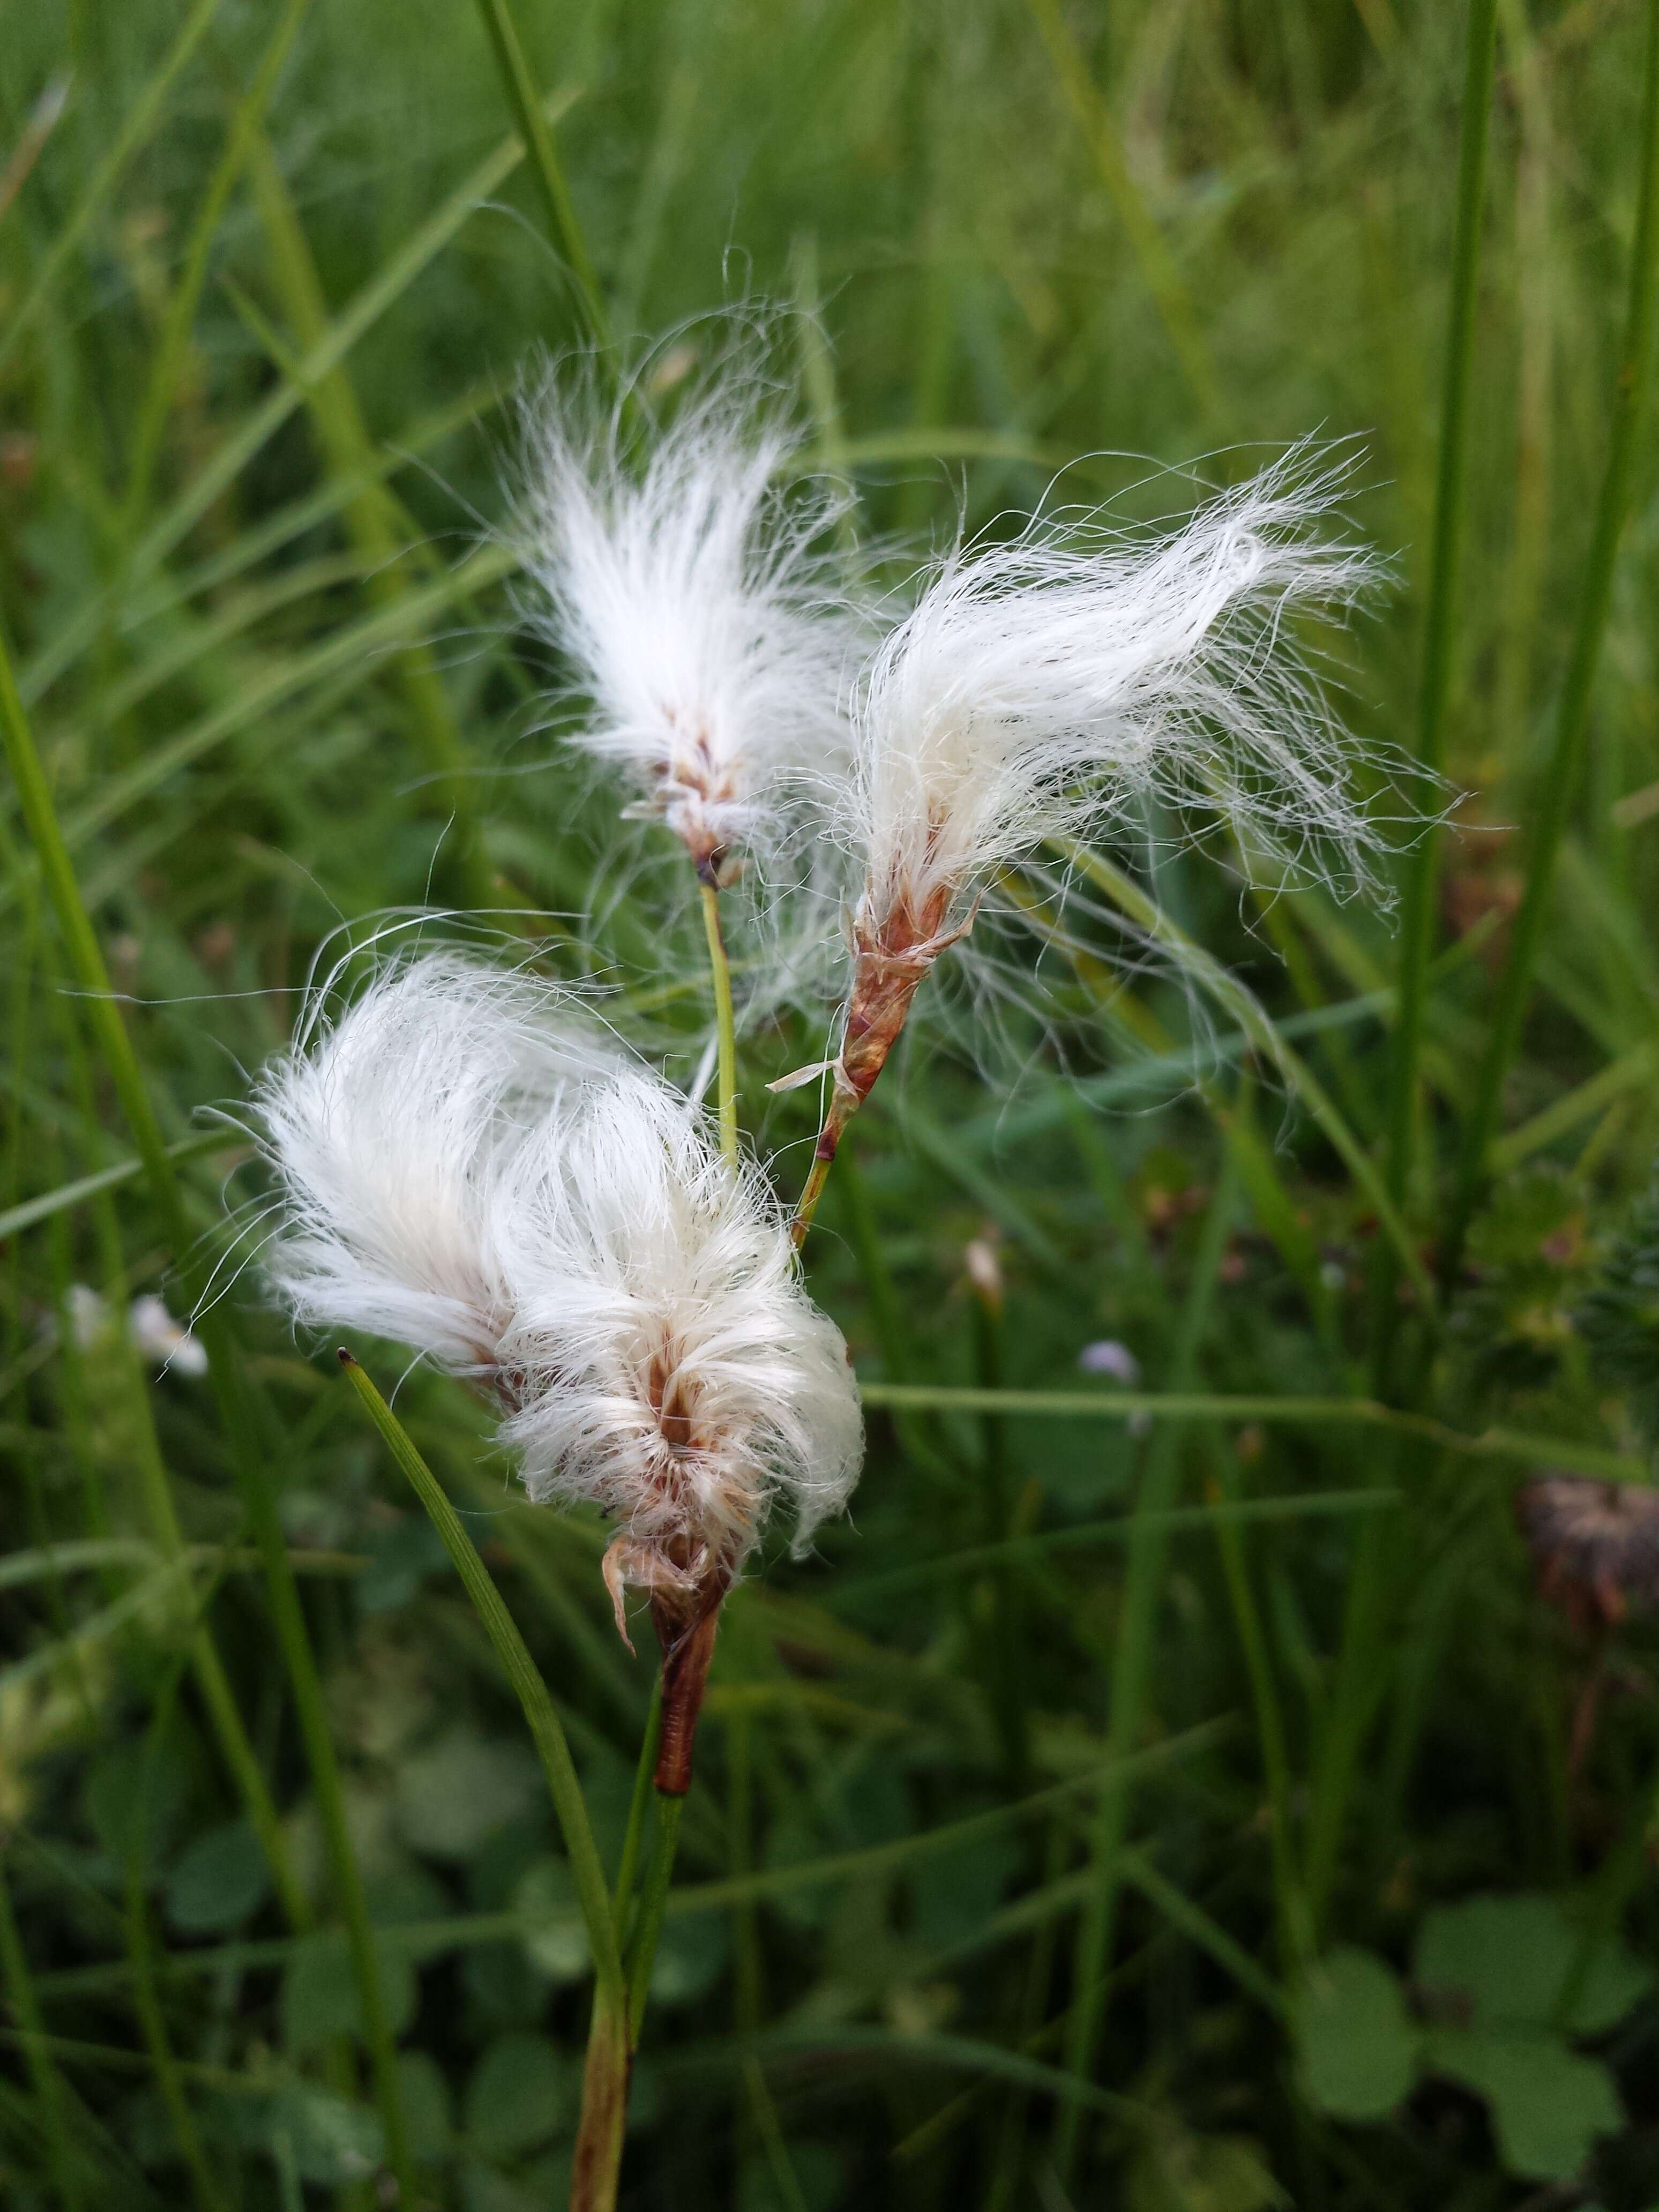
(687,590)
(391,1129)
(468,1166)
(675,1371)
(1040,688)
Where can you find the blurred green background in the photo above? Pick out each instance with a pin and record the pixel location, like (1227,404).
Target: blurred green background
(1369,1918)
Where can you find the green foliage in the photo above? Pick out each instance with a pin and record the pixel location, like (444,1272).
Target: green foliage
(1619,1316)
(1500,1984)
(260,686)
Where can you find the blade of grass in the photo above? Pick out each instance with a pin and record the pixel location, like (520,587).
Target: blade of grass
(1553,803)
(564,1785)
(229,459)
(1223,1513)
(50,2089)
(1132,1671)
(49,1202)
(1421,901)
(101,1013)
(605,2075)
(370,518)
(1526,1449)
(142,119)
(1228,992)
(167,359)
(529,108)
(1147,241)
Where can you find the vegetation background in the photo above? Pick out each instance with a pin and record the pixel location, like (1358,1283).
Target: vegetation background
(1187,1806)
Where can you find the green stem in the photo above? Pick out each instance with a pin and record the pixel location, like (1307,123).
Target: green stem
(1227,991)
(554,1750)
(1445,558)
(1132,1669)
(142,119)
(1293,1934)
(526,103)
(652,1908)
(147,2003)
(623,1896)
(102,1014)
(168,356)
(725,1020)
(49,2087)
(1553,802)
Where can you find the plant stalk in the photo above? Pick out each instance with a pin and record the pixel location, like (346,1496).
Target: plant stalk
(725,1021)
(1439,637)
(1554,799)
(528,112)
(236,1406)
(1132,1670)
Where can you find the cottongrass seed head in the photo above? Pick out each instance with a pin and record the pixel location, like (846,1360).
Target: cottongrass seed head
(686,582)
(1042,688)
(468,1165)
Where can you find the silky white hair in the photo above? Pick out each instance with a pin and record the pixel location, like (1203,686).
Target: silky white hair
(662,1331)
(390,1127)
(691,592)
(469,1164)
(1039,689)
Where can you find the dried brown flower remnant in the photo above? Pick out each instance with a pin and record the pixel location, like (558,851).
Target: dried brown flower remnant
(1597,1545)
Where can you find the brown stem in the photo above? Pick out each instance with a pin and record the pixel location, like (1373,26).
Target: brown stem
(687,1649)
(597,2164)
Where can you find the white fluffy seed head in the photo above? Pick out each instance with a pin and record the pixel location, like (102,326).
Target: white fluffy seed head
(391,1128)
(676,1372)
(689,591)
(1040,688)
(468,1165)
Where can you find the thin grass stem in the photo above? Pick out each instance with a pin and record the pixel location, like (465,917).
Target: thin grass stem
(725,1022)
(1440,625)
(102,1014)
(142,119)
(527,105)
(639,1806)
(1553,803)
(1132,1665)
(546,1730)
(653,1906)
(50,2089)
(167,359)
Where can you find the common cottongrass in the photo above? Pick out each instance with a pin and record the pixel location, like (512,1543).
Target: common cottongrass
(1044,688)
(469,1166)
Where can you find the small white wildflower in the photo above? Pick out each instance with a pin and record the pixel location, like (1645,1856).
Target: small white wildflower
(1109,1357)
(691,596)
(1041,689)
(467,1167)
(161,1338)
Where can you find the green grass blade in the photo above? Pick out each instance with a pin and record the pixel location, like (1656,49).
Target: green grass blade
(102,1015)
(1228,992)
(1532,1450)
(1445,561)
(1132,1671)
(144,117)
(69,1195)
(1553,803)
(1157,266)
(168,357)
(530,110)
(50,2092)
(521,1671)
